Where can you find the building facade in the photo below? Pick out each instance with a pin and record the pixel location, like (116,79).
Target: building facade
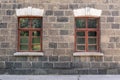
(58,42)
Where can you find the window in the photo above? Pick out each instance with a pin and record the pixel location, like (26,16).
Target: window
(29,34)
(87,34)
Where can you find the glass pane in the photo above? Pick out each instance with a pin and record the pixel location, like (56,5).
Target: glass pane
(80,40)
(92,23)
(24,33)
(92,33)
(92,41)
(23,47)
(24,22)
(80,47)
(80,33)
(80,23)
(92,48)
(23,40)
(36,33)
(37,23)
(35,40)
(36,47)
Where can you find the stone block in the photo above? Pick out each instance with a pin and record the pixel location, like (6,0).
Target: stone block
(111,45)
(110,19)
(108,58)
(83,72)
(10,12)
(18,65)
(58,25)
(62,19)
(63,6)
(62,45)
(37,65)
(96,59)
(65,58)
(106,13)
(81,65)
(58,13)
(63,32)
(53,32)
(68,13)
(62,65)
(2,65)
(52,45)
(102,71)
(95,65)
(112,71)
(21,58)
(115,13)
(5,45)
(114,65)
(73,6)
(53,58)
(48,65)
(52,19)
(3,25)
(116,58)
(26,64)
(93,71)
(115,26)
(49,12)
(9,65)
(43,58)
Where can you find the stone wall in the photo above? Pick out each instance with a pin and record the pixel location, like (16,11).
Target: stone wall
(58,38)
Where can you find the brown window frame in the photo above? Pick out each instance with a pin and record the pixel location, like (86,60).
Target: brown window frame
(30,30)
(86,30)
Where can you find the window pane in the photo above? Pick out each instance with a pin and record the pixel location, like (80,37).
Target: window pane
(36,33)
(92,23)
(24,22)
(80,47)
(23,47)
(92,48)
(92,33)
(36,47)
(80,33)
(80,23)
(35,40)
(23,40)
(24,33)
(80,40)
(92,41)
(37,23)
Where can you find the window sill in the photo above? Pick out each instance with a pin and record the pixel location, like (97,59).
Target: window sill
(88,54)
(28,54)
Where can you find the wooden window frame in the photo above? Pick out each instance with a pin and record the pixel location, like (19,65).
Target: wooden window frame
(86,30)
(30,30)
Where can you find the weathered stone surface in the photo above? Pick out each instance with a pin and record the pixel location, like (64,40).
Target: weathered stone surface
(63,32)
(3,25)
(43,58)
(65,58)
(37,65)
(53,58)
(62,19)
(49,12)
(4,45)
(52,45)
(65,65)
(115,13)
(58,13)
(115,26)
(108,58)
(110,19)
(48,65)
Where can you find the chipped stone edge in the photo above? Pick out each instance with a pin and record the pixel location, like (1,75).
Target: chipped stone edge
(88,54)
(29,54)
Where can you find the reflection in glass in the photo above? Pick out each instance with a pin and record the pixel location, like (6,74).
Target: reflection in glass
(92,48)
(24,22)
(23,40)
(35,40)
(92,41)
(36,47)
(92,23)
(36,33)
(80,23)
(80,33)
(92,33)
(80,40)
(37,23)
(23,47)
(80,47)
(24,33)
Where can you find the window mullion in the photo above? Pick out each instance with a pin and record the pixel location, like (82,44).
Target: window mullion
(30,36)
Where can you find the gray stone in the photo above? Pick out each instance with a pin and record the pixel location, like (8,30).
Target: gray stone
(9,65)
(63,6)
(3,25)
(65,58)
(2,65)
(73,6)
(26,65)
(37,65)
(102,71)
(43,58)
(110,19)
(108,58)
(62,65)
(62,45)
(93,71)
(95,65)
(115,26)
(63,32)
(21,58)
(10,12)
(53,58)
(49,12)
(52,45)
(62,19)
(115,13)
(18,65)
(83,71)
(111,45)
(48,65)
(5,45)
(112,71)
(58,13)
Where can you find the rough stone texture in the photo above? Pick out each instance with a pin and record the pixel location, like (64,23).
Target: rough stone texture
(58,39)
